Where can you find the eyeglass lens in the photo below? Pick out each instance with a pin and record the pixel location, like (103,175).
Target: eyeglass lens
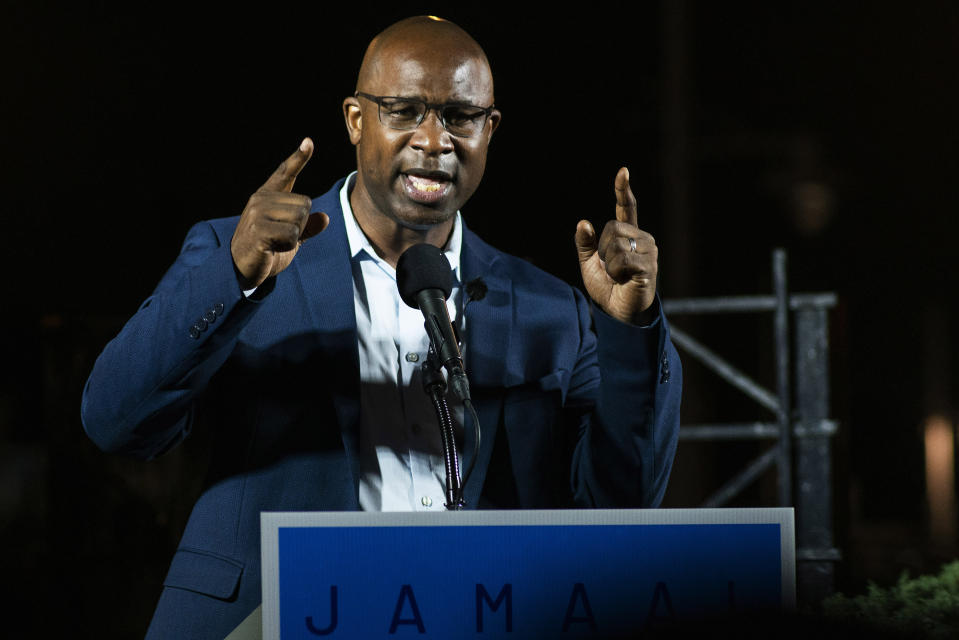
(460,120)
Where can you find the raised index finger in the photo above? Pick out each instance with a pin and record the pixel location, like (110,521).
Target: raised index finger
(625,200)
(285,175)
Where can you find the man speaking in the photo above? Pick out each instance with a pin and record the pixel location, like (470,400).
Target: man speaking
(281,333)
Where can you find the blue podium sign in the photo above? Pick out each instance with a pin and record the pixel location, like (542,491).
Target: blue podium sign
(529,574)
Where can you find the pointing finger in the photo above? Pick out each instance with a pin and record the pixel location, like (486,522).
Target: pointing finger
(285,175)
(625,200)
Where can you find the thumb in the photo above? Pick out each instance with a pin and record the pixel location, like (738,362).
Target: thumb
(315,223)
(586,242)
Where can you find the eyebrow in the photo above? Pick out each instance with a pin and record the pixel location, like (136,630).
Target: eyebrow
(461,103)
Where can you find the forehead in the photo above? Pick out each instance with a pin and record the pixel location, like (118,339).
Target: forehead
(433,75)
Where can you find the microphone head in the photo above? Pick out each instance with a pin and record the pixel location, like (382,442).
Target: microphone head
(476,289)
(423,266)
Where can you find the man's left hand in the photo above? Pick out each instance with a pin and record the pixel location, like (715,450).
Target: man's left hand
(619,270)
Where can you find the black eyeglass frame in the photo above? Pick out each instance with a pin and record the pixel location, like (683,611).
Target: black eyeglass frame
(430,106)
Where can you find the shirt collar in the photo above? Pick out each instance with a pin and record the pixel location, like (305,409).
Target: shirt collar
(360,244)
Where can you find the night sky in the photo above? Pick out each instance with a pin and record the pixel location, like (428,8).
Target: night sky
(124,125)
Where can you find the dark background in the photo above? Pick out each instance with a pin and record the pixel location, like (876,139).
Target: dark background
(826,128)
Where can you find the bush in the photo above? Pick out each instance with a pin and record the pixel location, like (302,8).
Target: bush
(923,607)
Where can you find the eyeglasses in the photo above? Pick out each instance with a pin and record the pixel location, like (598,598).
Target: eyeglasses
(461,120)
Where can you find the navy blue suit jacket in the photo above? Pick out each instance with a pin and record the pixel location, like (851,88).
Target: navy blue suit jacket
(567,419)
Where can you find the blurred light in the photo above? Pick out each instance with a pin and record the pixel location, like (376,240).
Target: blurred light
(813,207)
(940,480)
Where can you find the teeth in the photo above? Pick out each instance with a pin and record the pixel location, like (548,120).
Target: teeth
(425,184)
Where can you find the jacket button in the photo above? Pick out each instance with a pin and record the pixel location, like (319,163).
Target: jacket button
(200,325)
(194,332)
(218,308)
(209,316)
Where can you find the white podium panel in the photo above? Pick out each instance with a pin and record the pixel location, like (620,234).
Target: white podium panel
(527,574)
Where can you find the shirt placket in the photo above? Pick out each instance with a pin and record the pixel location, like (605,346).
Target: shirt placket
(422,430)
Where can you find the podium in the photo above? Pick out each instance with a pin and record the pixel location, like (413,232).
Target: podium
(520,574)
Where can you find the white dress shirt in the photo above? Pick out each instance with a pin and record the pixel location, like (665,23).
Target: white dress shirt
(401,451)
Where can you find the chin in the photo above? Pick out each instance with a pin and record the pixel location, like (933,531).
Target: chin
(421,218)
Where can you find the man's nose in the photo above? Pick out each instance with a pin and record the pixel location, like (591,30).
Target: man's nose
(431,136)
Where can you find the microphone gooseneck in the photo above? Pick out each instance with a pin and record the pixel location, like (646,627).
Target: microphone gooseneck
(425,281)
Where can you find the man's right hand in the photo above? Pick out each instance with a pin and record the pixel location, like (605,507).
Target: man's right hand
(274,223)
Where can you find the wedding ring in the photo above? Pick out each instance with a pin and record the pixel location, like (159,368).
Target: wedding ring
(632,245)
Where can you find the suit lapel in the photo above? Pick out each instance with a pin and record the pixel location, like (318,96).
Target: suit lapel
(326,279)
(487,339)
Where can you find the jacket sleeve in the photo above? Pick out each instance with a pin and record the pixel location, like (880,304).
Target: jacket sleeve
(139,397)
(624,397)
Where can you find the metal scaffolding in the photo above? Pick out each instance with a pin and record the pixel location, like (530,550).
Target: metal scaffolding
(802,429)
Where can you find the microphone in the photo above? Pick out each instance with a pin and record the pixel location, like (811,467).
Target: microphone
(425,281)
(476,289)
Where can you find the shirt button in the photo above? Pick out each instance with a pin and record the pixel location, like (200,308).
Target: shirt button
(426,501)
(412,357)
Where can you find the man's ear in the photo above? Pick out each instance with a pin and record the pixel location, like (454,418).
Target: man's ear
(494,118)
(354,119)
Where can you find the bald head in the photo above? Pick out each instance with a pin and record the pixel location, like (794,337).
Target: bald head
(411,180)
(424,38)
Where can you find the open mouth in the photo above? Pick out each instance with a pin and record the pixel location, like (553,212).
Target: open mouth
(427,187)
